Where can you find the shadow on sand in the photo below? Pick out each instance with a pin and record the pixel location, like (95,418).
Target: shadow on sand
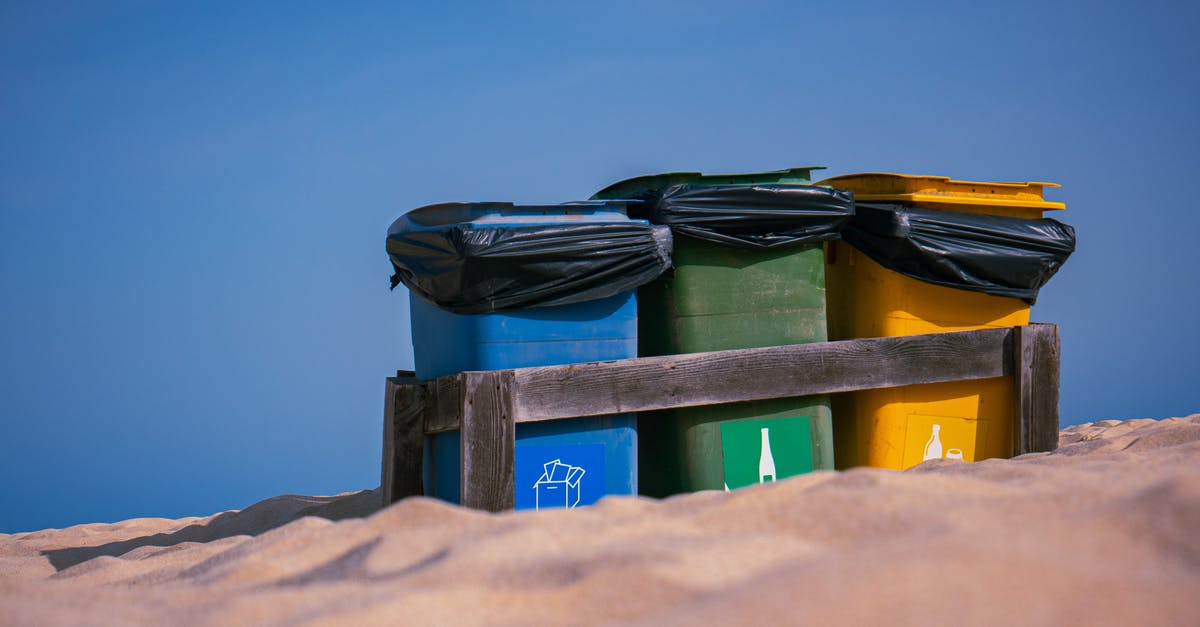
(258,518)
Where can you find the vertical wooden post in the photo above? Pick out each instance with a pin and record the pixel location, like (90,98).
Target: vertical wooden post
(488,440)
(1035,385)
(403,439)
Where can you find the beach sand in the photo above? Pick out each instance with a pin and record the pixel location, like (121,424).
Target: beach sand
(1106,530)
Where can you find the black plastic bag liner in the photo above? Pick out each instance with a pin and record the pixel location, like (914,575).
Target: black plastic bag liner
(751,216)
(991,254)
(468,266)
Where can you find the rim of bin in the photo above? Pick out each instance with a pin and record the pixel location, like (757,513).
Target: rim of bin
(935,189)
(666,179)
(444,213)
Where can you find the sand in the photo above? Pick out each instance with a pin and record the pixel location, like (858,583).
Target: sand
(1106,530)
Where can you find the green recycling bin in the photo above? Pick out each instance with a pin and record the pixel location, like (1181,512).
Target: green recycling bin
(721,297)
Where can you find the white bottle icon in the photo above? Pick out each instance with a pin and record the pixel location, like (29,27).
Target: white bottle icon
(933,448)
(766,461)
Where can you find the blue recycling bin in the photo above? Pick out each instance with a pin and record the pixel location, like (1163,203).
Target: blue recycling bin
(562,463)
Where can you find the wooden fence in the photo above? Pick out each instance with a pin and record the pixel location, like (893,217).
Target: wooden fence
(486,406)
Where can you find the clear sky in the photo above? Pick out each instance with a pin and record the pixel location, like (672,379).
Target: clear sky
(193,201)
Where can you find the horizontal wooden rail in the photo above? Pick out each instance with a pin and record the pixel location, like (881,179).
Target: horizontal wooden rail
(485,406)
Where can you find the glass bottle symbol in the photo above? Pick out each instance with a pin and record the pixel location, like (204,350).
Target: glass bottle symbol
(933,448)
(766,461)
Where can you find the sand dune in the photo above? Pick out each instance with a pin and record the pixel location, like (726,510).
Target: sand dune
(1106,530)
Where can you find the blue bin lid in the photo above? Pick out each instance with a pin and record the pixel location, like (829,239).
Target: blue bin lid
(494,214)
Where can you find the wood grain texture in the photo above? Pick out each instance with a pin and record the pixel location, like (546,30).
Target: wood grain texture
(644,384)
(488,440)
(1036,388)
(403,439)
(387,472)
(445,409)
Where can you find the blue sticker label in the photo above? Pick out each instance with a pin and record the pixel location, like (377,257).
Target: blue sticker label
(559,476)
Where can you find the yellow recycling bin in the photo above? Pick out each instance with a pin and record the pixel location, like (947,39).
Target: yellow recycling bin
(901,427)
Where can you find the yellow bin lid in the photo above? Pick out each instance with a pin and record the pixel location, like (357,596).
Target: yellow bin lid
(942,190)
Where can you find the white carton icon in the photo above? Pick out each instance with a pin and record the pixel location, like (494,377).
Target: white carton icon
(558,486)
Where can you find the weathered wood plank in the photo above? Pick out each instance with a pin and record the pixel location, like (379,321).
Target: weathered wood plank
(410,440)
(403,439)
(387,472)
(488,440)
(1022,389)
(1036,388)
(445,404)
(644,384)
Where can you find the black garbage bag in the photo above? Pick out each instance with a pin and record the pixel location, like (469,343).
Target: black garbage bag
(470,269)
(750,216)
(996,255)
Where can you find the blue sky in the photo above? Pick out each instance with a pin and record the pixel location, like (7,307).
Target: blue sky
(193,201)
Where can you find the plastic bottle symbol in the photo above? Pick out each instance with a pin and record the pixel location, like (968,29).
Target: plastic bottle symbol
(933,448)
(766,461)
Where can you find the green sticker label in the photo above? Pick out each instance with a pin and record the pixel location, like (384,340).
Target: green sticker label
(757,451)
